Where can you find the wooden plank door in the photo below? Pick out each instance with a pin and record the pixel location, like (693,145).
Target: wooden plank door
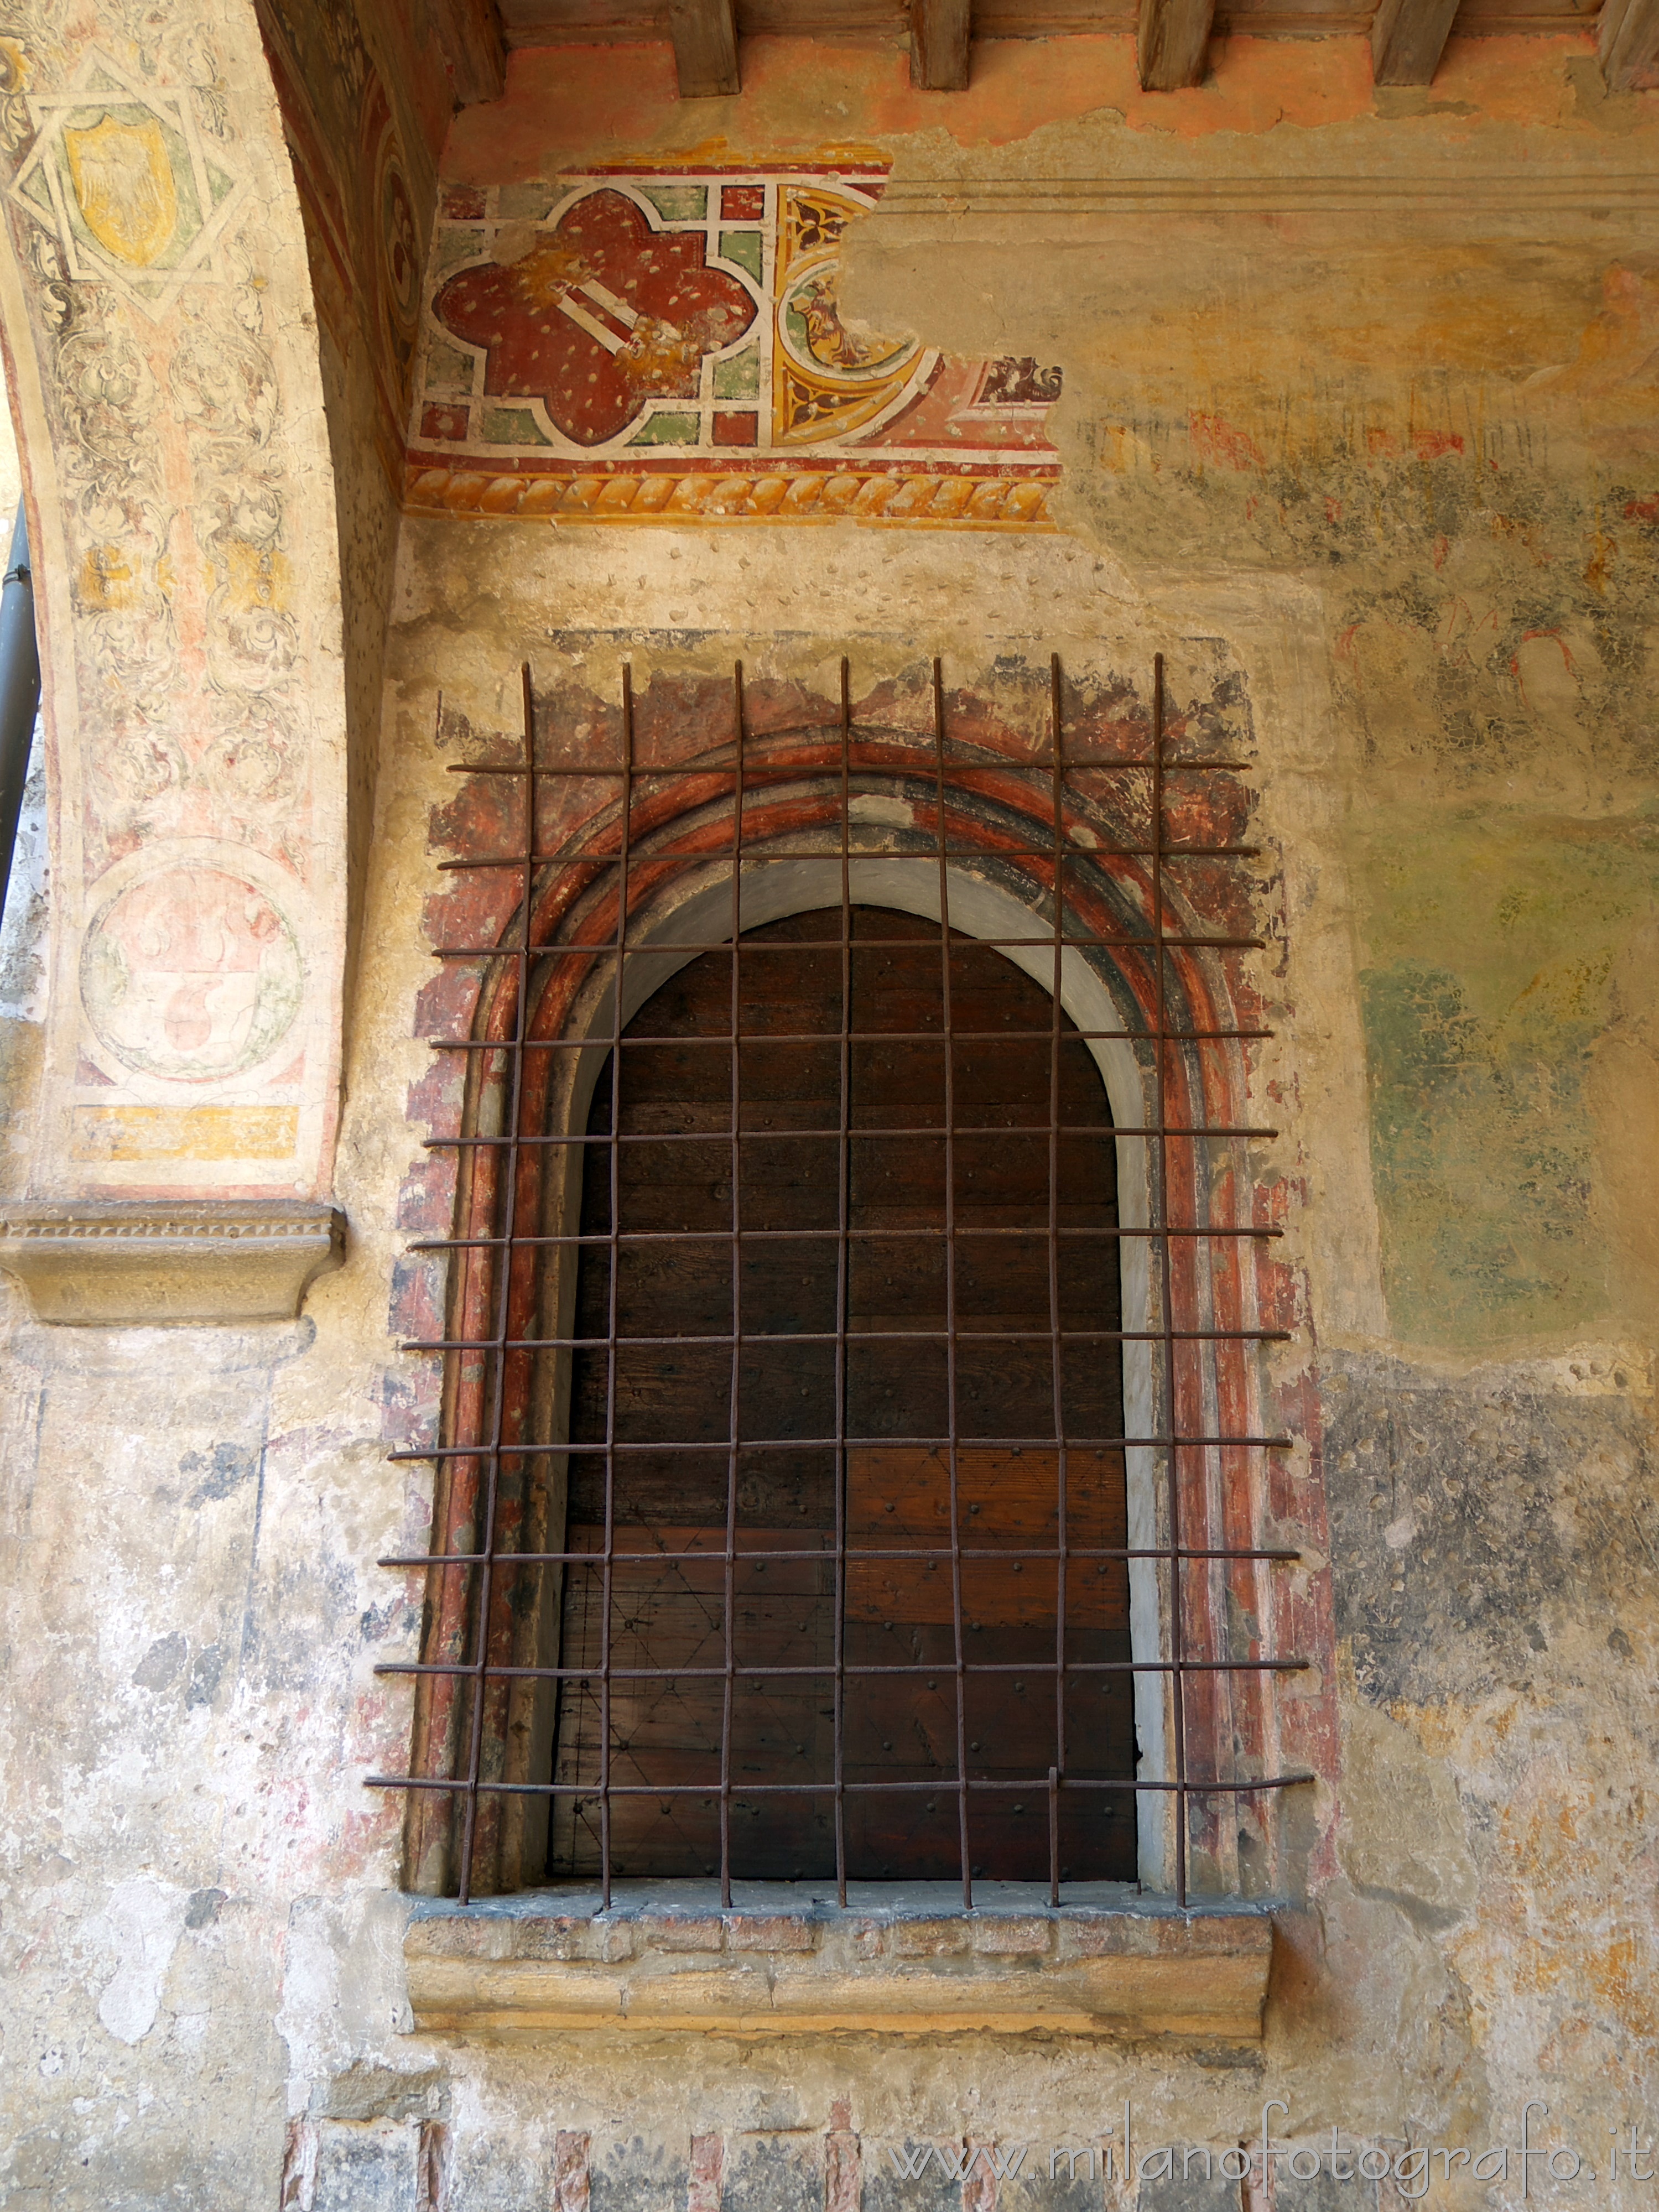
(966,1651)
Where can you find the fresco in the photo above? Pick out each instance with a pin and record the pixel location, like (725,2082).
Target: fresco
(350,147)
(193,721)
(627,346)
(190,975)
(121,176)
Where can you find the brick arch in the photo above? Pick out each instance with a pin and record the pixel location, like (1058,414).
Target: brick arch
(675,894)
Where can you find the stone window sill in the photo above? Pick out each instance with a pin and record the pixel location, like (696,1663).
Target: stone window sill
(782,1959)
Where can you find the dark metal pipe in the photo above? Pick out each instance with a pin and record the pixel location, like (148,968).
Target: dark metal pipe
(20,692)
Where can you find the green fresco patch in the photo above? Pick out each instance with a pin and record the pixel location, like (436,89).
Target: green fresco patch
(513,426)
(1497,943)
(739,377)
(669,430)
(449,371)
(523,202)
(677,202)
(455,247)
(746,247)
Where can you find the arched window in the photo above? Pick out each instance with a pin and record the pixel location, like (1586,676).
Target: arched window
(851,1461)
(880,1351)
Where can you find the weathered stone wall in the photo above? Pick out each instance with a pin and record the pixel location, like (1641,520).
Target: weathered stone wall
(1385,429)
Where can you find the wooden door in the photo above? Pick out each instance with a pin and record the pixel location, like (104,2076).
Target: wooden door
(968,1644)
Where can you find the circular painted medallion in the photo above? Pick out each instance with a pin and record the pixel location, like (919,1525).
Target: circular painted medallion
(191,974)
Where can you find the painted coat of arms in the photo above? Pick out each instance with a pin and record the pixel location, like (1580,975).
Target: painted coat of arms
(121,177)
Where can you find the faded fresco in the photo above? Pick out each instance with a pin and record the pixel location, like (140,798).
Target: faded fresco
(364,100)
(363,155)
(194,999)
(658,343)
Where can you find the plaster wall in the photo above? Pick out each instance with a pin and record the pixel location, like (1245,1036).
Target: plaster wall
(1400,467)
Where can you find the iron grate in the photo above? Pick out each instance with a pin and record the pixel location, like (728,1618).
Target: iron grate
(619,855)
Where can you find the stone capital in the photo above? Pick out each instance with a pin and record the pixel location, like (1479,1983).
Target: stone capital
(116,1263)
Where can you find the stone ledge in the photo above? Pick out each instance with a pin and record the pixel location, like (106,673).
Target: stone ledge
(113,1263)
(521,1965)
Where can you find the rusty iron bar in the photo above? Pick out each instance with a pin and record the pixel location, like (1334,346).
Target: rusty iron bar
(844,1286)
(825,1037)
(1057,1345)
(952,1460)
(604,858)
(503,1311)
(728,1610)
(580,1790)
(579,951)
(851,1551)
(904,742)
(822,1444)
(1160,1199)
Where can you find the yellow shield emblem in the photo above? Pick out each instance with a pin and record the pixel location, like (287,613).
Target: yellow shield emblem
(123,181)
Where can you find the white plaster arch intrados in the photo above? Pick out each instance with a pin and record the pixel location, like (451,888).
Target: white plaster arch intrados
(694,909)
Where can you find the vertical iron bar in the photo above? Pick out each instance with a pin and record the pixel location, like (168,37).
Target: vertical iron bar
(1053,1835)
(844,1273)
(497,1353)
(1057,1348)
(614,1259)
(737,1294)
(1161,1224)
(950,1283)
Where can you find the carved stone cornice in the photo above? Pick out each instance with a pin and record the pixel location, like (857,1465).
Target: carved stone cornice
(1459,199)
(112,1263)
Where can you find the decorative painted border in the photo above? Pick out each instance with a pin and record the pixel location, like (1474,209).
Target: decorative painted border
(889,494)
(940,442)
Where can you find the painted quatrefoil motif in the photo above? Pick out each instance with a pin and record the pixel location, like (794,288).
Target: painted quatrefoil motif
(602,314)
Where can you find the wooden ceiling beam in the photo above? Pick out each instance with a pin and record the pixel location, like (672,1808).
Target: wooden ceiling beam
(1627,44)
(938,45)
(1172,45)
(471,33)
(705,35)
(1407,40)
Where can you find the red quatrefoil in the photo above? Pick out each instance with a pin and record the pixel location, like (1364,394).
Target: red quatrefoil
(602,314)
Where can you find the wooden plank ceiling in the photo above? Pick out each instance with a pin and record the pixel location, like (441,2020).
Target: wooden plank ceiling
(1172,36)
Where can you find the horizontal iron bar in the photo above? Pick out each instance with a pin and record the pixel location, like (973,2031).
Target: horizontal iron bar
(863,1336)
(631,1043)
(940,1131)
(458,1671)
(595,1792)
(850,1443)
(764,855)
(833,944)
(828,1555)
(627,1236)
(924,755)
